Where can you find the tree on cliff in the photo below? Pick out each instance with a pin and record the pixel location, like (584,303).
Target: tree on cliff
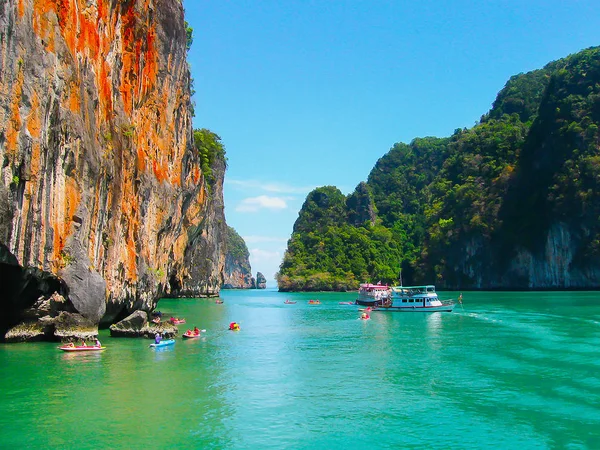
(210,148)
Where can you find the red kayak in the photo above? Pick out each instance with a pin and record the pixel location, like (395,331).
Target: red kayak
(80,348)
(191,335)
(176,321)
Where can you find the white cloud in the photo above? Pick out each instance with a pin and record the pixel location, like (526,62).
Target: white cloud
(253,204)
(280,188)
(257,239)
(265,261)
(259,256)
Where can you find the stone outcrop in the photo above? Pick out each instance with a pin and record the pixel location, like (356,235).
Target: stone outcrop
(102,196)
(261,281)
(237,273)
(57,325)
(138,325)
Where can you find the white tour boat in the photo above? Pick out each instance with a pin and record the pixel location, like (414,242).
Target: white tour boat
(374,294)
(415,298)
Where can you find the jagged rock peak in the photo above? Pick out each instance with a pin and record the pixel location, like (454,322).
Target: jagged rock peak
(261,281)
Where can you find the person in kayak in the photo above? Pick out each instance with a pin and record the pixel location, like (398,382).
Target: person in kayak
(98,344)
(157,338)
(196,331)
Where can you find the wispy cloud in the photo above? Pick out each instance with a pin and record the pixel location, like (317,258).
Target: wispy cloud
(265,261)
(258,239)
(259,255)
(253,204)
(275,187)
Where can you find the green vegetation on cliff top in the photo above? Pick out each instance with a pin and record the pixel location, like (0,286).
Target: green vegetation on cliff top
(454,211)
(237,248)
(210,151)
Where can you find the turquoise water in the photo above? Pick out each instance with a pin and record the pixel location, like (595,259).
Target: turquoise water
(510,370)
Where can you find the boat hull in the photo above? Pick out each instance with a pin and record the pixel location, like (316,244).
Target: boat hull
(371,303)
(443,308)
(82,349)
(163,343)
(190,336)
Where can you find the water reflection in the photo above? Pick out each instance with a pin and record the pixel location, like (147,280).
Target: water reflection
(434,323)
(82,357)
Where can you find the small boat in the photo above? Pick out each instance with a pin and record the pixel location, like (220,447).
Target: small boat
(81,348)
(415,299)
(219,302)
(314,302)
(347,303)
(287,302)
(176,320)
(373,294)
(164,343)
(234,326)
(189,334)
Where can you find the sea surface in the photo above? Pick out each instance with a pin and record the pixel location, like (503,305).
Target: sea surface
(504,370)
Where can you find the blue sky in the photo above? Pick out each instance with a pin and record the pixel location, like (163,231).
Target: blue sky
(312,93)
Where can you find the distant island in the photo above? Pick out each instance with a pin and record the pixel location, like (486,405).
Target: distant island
(511,203)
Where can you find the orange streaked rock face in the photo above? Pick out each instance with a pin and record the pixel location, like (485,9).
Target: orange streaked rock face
(96,144)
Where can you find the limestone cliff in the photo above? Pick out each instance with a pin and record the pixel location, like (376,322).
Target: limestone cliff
(101,191)
(238,273)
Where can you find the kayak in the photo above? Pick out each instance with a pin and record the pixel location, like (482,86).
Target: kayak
(175,321)
(287,302)
(89,348)
(164,343)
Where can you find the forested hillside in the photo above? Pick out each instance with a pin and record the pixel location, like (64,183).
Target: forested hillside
(512,203)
